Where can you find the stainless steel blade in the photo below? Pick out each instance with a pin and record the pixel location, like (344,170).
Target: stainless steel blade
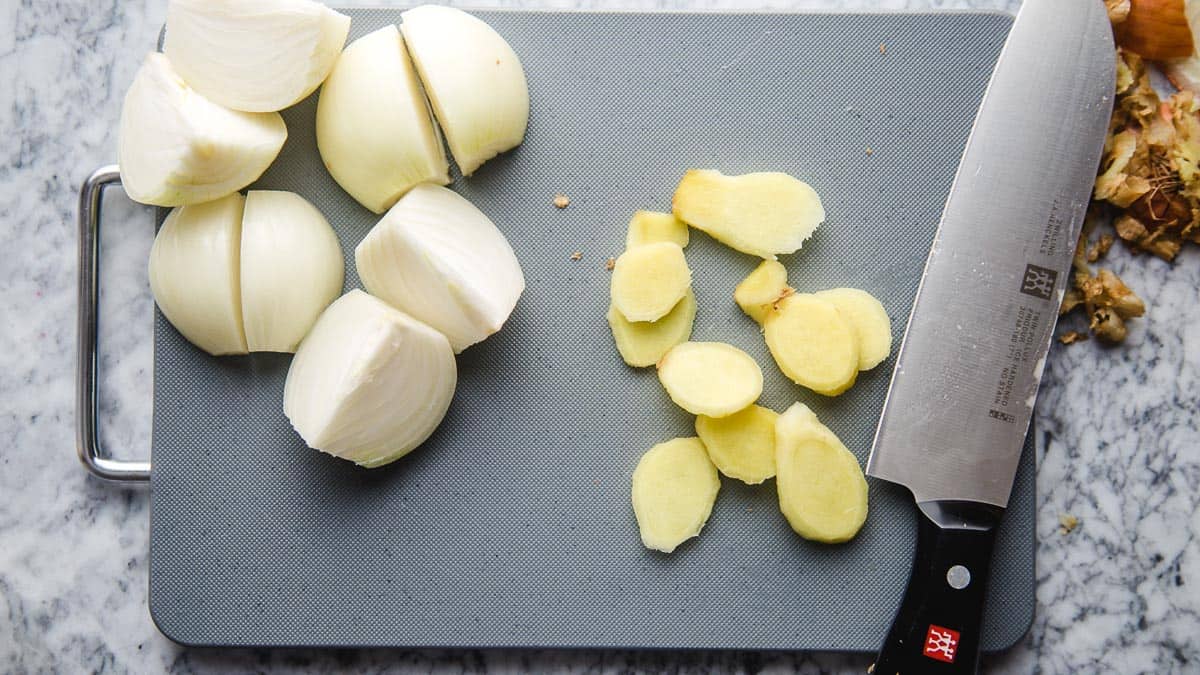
(968,371)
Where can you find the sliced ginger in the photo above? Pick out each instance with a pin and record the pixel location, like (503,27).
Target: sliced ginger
(761,289)
(822,491)
(674,488)
(819,340)
(649,280)
(812,343)
(647,227)
(710,378)
(763,214)
(741,445)
(869,319)
(643,343)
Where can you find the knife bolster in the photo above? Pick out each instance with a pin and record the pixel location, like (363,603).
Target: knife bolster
(958,515)
(936,629)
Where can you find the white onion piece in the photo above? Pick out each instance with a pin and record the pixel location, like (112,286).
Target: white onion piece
(292,268)
(177,147)
(474,81)
(369,383)
(374,129)
(194,274)
(437,257)
(256,56)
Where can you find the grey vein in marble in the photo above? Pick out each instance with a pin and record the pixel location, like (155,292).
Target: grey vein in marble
(1120,447)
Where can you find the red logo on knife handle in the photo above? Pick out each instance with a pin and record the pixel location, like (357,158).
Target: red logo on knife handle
(941,643)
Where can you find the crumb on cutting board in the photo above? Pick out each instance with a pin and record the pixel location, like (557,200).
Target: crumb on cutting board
(882,48)
(577,255)
(610,264)
(561,201)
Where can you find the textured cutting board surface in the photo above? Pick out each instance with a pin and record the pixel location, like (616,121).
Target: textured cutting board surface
(512,526)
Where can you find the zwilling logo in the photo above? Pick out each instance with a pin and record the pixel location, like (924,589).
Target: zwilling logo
(1038,282)
(941,643)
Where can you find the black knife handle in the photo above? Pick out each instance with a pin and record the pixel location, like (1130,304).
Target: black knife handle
(936,629)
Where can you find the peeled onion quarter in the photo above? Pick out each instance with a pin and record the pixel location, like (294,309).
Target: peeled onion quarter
(292,268)
(256,56)
(474,81)
(194,274)
(375,131)
(369,383)
(176,147)
(437,257)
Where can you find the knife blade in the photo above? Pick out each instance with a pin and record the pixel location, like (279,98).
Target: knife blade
(967,373)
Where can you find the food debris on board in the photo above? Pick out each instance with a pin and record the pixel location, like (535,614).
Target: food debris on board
(1072,336)
(1067,523)
(1105,299)
(577,255)
(1118,10)
(561,201)
(1147,192)
(1156,29)
(1151,164)
(1099,248)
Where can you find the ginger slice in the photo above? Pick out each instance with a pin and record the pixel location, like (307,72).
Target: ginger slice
(869,319)
(814,345)
(822,490)
(763,214)
(710,378)
(741,445)
(648,227)
(674,489)
(649,280)
(643,343)
(762,288)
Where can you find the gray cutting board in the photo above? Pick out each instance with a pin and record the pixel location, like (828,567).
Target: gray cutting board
(512,526)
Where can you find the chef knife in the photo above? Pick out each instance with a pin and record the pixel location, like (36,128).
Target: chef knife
(967,373)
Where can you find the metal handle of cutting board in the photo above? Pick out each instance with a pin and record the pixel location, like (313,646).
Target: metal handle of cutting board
(86,394)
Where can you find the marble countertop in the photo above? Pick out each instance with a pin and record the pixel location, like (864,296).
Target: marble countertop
(1119,447)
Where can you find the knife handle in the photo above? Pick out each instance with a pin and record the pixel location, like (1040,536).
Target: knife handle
(936,629)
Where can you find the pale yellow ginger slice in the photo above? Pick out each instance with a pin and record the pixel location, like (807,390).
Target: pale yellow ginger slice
(649,280)
(648,227)
(763,214)
(822,491)
(674,488)
(869,319)
(762,288)
(742,445)
(710,378)
(643,343)
(814,345)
